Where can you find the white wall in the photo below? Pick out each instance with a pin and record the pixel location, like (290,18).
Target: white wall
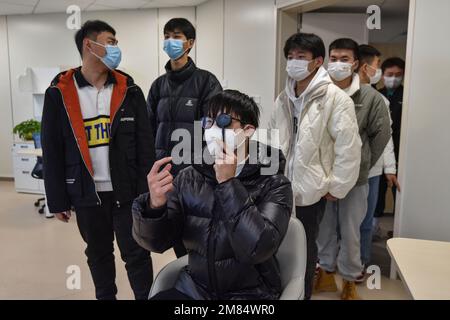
(391,31)
(423,209)
(249,57)
(236,41)
(210,29)
(332,26)
(6,136)
(138,35)
(37,41)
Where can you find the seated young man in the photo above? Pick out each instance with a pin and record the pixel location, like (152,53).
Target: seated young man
(230,215)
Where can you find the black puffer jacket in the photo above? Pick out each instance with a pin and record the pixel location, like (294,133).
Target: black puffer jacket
(176,99)
(231,231)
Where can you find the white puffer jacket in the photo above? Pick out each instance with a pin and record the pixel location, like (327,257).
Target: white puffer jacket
(325,155)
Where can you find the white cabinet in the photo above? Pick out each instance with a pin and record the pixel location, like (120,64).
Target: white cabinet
(23,166)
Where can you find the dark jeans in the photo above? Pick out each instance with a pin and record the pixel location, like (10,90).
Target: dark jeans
(171,294)
(97,226)
(379,211)
(311,216)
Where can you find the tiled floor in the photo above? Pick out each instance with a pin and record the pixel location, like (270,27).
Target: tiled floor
(35,253)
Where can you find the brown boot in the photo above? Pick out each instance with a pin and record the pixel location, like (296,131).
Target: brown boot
(325,282)
(349,291)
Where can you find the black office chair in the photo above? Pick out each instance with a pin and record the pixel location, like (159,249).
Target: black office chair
(38,171)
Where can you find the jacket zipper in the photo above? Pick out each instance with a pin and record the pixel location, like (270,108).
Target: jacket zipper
(291,127)
(294,135)
(79,149)
(110,134)
(78,145)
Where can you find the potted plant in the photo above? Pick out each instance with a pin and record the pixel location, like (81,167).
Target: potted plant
(26,129)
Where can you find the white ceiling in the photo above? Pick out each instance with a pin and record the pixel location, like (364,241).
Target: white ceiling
(11,7)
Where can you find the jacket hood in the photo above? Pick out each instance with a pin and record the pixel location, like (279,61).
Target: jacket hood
(320,79)
(354,86)
(254,165)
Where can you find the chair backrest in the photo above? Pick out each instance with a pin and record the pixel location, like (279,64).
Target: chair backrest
(292,252)
(37,140)
(38,170)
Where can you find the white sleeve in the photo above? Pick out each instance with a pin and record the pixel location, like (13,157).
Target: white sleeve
(343,127)
(389,161)
(390,164)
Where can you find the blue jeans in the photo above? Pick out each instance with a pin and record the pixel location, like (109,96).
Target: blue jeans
(366,225)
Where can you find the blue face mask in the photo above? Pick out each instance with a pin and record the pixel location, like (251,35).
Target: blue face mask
(112,57)
(174,48)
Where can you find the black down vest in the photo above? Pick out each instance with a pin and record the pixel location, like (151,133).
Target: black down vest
(177,99)
(231,230)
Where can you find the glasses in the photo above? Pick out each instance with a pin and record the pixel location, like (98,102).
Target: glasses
(223,120)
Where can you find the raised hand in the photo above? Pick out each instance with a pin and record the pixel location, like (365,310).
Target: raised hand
(160,183)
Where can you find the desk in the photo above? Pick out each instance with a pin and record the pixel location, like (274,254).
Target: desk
(30,152)
(424,267)
(35,153)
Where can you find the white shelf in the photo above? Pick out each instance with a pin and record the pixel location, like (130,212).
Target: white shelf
(35,81)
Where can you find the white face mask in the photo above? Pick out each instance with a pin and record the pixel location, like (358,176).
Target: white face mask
(298,69)
(376,77)
(340,70)
(232,139)
(392,82)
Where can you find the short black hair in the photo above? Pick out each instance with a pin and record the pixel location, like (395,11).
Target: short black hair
(305,41)
(345,43)
(90,29)
(181,24)
(236,102)
(368,53)
(393,62)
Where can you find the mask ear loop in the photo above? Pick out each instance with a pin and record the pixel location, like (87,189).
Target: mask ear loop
(184,52)
(223,128)
(96,55)
(223,131)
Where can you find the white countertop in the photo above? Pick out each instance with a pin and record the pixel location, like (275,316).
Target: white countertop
(424,267)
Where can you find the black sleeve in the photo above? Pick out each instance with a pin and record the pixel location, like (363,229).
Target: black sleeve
(157,230)
(53,156)
(145,142)
(255,231)
(152,103)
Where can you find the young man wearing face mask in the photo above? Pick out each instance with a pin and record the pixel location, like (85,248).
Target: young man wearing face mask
(318,133)
(231,215)
(97,150)
(370,73)
(179,97)
(339,234)
(393,73)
